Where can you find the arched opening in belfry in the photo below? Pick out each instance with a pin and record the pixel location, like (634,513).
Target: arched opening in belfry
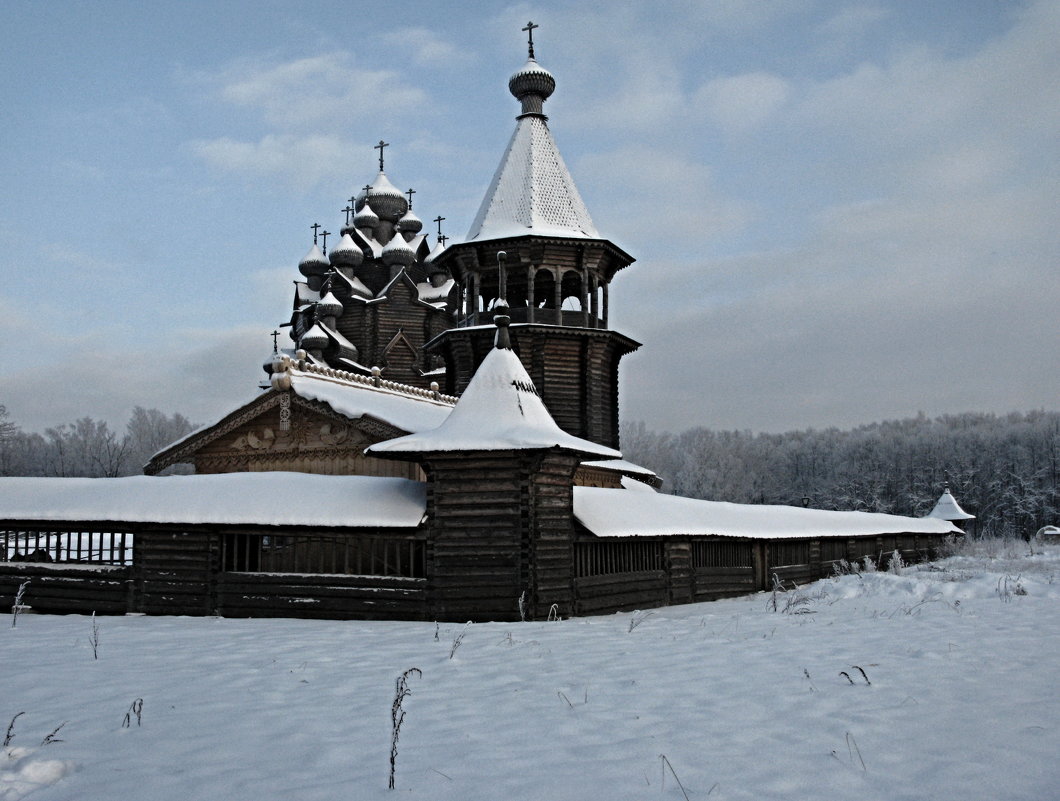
(571,290)
(544,289)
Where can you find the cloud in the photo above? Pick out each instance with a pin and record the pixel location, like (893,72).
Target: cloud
(301,160)
(426,47)
(202,381)
(739,103)
(661,198)
(319,92)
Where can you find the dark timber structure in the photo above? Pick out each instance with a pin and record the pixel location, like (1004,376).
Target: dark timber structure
(353,488)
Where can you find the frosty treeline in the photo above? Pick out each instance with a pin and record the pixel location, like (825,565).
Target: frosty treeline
(1004,469)
(88,447)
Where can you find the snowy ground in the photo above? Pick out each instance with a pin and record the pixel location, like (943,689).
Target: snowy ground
(742,701)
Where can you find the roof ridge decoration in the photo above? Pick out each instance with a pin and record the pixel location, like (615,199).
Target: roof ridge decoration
(284,367)
(532,191)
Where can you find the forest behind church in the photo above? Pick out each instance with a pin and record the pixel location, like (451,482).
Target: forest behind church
(1003,469)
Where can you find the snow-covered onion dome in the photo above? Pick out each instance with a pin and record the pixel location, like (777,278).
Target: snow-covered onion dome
(386,199)
(410,224)
(366,217)
(314,263)
(397,251)
(313,339)
(434,254)
(531,86)
(329,306)
(347,253)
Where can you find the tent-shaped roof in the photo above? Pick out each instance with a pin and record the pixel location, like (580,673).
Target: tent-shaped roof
(947,508)
(499,411)
(532,191)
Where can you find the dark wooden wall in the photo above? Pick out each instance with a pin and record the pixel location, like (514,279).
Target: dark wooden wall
(480,556)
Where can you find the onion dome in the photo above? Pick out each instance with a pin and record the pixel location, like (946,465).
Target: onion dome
(347,253)
(398,251)
(329,306)
(386,199)
(313,339)
(366,218)
(434,254)
(532,86)
(314,263)
(410,223)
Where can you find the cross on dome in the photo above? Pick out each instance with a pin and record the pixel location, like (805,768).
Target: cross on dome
(529,29)
(380,148)
(316,227)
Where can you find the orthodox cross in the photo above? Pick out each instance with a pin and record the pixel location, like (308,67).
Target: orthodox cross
(348,209)
(438,220)
(315,227)
(367,188)
(275,341)
(443,239)
(324,235)
(530,36)
(410,193)
(380,147)
(353,201)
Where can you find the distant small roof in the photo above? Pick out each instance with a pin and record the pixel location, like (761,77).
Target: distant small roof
(947,508)
(626,513)
(499,411)
(532,191)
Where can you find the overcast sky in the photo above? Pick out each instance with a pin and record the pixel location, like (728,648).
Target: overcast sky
(841,212)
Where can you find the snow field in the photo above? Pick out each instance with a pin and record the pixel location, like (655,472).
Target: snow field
(744,702)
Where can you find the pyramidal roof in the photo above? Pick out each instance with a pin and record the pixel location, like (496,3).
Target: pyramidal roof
(532,191)
(499,411)
(947,508)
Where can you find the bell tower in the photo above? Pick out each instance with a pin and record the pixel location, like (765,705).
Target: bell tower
(534,245)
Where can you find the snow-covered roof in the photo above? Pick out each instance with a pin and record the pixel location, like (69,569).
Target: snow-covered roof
(429,293)
(268,499)
(947,508)
(499,411)
(628,513)
(532,191)
(402,408)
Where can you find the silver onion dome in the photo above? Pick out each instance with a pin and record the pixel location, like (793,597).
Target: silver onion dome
(313,339)
(347,253)
(329,306)
(398,251)
(410,223)
(366,217)
(314,263)
(532,86)
(386,199)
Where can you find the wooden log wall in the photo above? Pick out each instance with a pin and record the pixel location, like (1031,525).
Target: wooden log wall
(67,589)
(551,535)
(479,511)
(332,597)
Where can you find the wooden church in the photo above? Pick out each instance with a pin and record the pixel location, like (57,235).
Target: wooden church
(440,442)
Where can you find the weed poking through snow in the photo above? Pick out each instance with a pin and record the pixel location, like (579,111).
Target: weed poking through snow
(896,563)
(638,618)
(397,716)
(459,638)
(16,607)
(11,730)
(135,711)
(50,739)
(1008,586)
(94,637)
